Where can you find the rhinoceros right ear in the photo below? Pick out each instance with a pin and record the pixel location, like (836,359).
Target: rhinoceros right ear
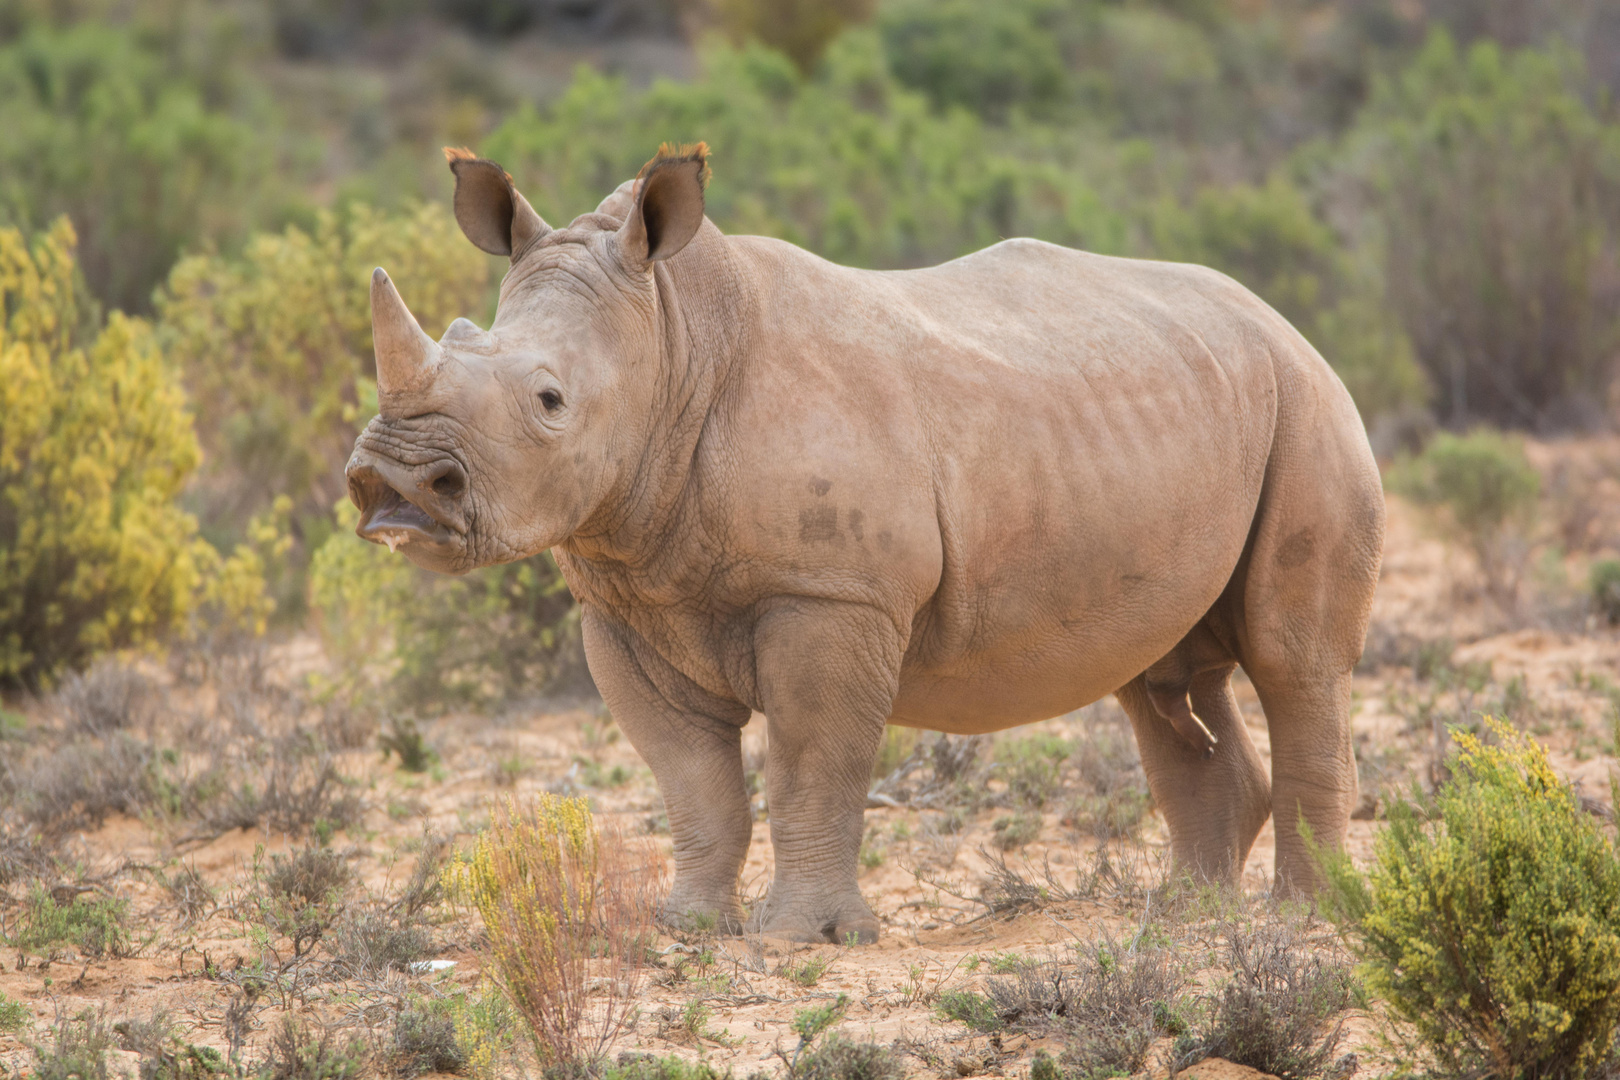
(489,209)
(668,207)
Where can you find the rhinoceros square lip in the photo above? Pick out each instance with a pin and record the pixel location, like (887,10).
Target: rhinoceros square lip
(396,521)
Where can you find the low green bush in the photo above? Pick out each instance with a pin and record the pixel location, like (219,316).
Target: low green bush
(14,1015)
(437,642)
(1484,491)
(96,926)
(1490,919)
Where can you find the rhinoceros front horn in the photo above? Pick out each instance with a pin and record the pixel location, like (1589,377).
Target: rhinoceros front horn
(407,358)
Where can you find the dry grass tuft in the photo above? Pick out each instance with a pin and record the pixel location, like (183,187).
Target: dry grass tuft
(1283,1009)
(569,912)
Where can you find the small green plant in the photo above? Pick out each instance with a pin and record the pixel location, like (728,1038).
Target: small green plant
(810,1023)
(1604,585)
(300,1051)
(806,972)
(874,848)
(485,1030)
(404,740)
(14,1015)
(839,1058)
(1032,766)
(1490,920)
(96,926)
(691,1023)
(1015,830)
(164,1055)
(424,1038)
(647,1067)
(971,1008)
(300,896)
(594,774)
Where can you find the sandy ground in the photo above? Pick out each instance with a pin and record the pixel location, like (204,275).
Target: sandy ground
(1549,664)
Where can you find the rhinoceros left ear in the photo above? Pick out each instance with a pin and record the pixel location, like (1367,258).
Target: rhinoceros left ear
(668,203)
(489,208)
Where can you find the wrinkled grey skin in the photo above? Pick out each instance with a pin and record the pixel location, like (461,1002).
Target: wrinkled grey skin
(961,498)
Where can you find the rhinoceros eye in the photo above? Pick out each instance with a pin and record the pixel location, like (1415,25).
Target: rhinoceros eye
(551,400)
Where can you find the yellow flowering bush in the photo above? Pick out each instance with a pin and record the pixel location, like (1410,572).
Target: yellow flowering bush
(1491,921)
(569,914)
(95,445)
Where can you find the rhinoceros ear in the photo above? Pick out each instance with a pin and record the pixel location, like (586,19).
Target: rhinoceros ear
(489,208)
(668,204)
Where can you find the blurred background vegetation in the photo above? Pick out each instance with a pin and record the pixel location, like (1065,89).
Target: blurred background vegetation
(192,192)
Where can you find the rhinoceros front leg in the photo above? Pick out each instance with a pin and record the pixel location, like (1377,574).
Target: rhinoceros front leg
(693,743)
(828,674)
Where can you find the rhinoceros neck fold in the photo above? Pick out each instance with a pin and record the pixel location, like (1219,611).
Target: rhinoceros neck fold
(705,314)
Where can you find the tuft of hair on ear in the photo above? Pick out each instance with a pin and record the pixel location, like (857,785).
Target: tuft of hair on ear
(680,154)
(455,155)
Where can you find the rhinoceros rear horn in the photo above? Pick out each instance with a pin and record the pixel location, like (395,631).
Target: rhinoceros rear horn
(489,209)
(669,203)
(407,359)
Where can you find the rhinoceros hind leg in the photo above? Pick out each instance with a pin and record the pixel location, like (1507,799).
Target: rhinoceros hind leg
(1313,768)
(1214,805)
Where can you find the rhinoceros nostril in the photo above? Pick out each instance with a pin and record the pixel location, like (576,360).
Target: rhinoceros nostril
(450,482)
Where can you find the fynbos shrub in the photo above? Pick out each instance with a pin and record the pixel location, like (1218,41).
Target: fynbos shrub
(565,908)
(95,552)
(1491,921)
(1485,491)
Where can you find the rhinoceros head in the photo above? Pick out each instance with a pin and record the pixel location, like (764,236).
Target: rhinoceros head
(492,445)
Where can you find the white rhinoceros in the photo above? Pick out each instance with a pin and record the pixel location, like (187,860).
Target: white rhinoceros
(960,498)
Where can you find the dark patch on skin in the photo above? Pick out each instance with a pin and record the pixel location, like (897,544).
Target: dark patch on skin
(818,486)
(885,539)
(1296,550)
(818,523)
(855,519)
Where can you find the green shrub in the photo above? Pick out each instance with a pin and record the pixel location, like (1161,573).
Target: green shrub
(849,164)
(1490,921)
(1495,184)
(146,155)
(425,1038)
(96,926)
(14,1015)
(1604,584)
(840,1058)
(438,641)
(1485,489)
(985,57)
(96,445)
(799,29)
(1032,765)
(971,1008)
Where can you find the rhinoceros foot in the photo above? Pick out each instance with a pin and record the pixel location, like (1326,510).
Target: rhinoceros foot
(841,918)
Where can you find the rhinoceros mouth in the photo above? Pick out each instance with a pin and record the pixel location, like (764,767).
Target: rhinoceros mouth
(390,518)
